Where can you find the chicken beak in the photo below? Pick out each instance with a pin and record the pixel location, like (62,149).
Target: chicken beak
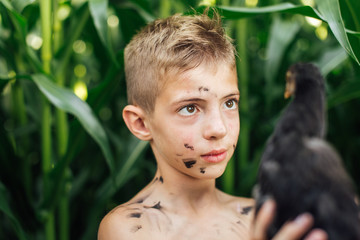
(287,95)
(290,85)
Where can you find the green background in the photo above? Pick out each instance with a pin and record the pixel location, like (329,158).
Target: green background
(65,162)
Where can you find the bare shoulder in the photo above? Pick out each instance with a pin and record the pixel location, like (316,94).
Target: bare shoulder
(241,205)
(134,220)
(113,225)
(121,224)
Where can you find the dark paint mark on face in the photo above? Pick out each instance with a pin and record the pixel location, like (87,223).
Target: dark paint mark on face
(161,179)
(189,162)
(234,146)
(189,147)
(202,170)
(134,215)
(246,210)
(204,89)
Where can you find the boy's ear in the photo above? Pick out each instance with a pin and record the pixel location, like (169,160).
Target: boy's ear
(134,118)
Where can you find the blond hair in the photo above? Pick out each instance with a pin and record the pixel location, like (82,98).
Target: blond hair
(178,43)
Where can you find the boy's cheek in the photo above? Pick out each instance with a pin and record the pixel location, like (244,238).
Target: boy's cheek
(186,143)
(234,128)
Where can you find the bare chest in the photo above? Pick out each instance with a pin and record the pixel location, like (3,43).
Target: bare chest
(161,225)
(216,229)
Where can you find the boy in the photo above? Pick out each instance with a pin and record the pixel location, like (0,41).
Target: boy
(183,99)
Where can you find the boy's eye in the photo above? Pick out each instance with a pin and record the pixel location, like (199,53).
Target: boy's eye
(231,104)
(188,110)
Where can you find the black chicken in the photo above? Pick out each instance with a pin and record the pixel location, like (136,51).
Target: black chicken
(300,170)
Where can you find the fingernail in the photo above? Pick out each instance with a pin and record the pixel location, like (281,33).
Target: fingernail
(303,219)
(269,206)
(317,235)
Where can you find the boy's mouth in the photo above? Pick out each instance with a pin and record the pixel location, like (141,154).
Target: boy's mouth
(215,156)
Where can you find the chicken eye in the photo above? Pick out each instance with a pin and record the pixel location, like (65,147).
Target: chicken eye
(188,110)
(230,104)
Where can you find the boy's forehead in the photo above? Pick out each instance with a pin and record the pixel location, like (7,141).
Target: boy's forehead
(200,73)
(198,79)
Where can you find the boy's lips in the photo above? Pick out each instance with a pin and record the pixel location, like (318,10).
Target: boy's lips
(215,156)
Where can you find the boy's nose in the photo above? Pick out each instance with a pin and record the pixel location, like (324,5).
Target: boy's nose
(215,127)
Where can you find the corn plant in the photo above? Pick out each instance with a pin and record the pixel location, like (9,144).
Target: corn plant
(66,157)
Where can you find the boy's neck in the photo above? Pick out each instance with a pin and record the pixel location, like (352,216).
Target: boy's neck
(191,195)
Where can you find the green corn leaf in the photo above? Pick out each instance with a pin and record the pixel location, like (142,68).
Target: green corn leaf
(130,21)
(98,11)
(143,7)
(243,12)
(345,93)
(19,21)
(332,59)
(107,189)
(144,4)
(69,102)
(121,175)
(3,82)
(330,9)
(21,26)
(349,13)
(7,4)
(357,34)
(5,208)
(19,5)
(282,33)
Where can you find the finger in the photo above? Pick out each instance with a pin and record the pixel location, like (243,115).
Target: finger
(317,234)
(263,220)
(295,229)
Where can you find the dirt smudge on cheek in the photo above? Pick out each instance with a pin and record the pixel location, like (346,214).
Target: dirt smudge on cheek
(189,146)
(202,170)
(189,162)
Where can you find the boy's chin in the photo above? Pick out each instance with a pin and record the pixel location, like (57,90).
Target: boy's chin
(211,173)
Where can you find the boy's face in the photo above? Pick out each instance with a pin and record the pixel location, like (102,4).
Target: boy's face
(195,123)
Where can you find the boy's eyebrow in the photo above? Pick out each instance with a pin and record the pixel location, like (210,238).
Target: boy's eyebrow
(232,95)
(197,99)
(181,100)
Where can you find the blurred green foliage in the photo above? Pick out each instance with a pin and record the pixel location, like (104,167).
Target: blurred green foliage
(65,162)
